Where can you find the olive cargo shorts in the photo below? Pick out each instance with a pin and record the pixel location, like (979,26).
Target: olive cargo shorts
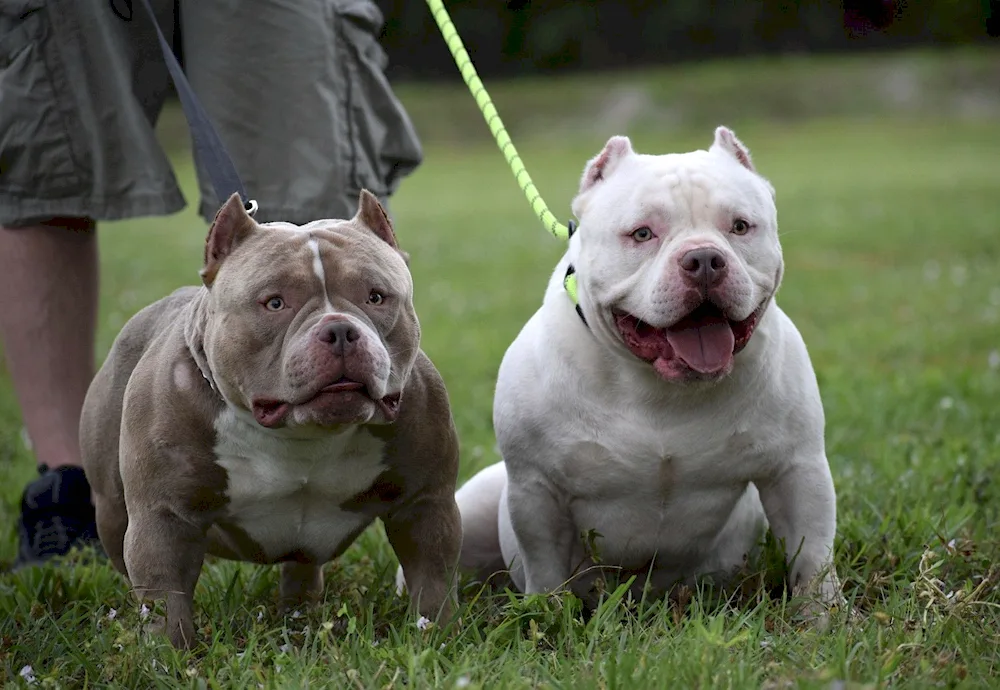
(296,89)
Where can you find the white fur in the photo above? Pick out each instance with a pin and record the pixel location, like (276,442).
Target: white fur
(593,439)
(285,489)
(318,269)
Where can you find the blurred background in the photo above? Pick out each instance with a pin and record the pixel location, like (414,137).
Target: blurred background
(524,37)
(813,58)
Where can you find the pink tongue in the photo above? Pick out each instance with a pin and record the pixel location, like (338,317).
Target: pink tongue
(706,349)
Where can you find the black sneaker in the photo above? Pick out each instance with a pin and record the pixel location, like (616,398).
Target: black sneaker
(56,515)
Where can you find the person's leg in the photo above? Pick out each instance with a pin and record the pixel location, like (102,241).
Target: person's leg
(49,274)
(79,90)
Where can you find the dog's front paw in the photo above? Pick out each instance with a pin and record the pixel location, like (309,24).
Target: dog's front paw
(818,601)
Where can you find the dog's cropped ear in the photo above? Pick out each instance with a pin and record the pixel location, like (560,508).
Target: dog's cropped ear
(727,142)
(231,226)
(603,164)
(373,216)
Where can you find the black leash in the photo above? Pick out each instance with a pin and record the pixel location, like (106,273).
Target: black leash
(208,147)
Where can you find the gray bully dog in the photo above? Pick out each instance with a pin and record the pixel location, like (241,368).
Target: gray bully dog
(271,414)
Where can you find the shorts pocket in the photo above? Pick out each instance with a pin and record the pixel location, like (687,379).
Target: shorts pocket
(38,148)
(384,145)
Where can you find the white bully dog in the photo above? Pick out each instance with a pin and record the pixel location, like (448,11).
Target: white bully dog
(662,428)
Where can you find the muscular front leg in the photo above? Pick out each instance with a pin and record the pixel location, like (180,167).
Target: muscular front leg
(427,538)
(801,507)
(163,555)
(544,533)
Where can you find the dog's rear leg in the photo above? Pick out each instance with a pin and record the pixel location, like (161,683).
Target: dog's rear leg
(479,502)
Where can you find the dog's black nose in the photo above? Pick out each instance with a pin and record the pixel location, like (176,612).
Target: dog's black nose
(340,335)
(704,267)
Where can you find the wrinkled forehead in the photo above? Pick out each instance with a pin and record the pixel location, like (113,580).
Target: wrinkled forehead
(322,254)
(687,183)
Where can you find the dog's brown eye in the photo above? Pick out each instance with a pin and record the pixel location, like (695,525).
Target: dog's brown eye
(274,304)
(642,234)
(740,227)
(375,298)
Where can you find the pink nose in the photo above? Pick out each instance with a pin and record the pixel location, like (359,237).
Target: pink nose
(704,267)
(339,335)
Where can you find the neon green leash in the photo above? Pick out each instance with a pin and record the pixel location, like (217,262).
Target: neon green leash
(486,107)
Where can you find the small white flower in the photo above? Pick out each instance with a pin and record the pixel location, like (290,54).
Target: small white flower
(296,614)
(285,648)
(260,616)
(112,614)
(462,682)
(946,403)
(423,623)
(144,612)
(994,359)
(28,674)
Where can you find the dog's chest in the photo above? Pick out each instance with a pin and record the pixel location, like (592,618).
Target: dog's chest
(667,491)
(286,494)
(661,457)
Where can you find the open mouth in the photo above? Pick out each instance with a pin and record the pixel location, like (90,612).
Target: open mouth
(270,412)
(704,340)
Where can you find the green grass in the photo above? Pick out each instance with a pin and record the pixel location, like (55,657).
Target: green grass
(890,225)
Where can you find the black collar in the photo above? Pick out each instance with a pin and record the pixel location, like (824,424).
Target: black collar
(569,280)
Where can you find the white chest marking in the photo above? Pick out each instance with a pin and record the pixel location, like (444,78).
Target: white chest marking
(286,493)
